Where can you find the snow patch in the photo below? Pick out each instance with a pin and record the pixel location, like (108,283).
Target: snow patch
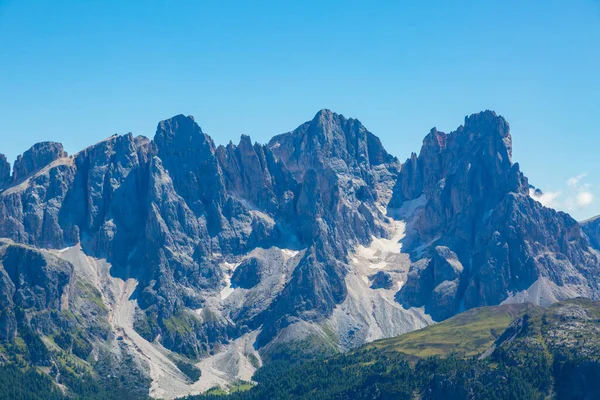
(64,250)
(288,253)
(382,251)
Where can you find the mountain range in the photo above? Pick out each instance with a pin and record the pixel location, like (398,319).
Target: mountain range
(169,266)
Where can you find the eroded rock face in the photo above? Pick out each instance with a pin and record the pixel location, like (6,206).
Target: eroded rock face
(37,280)
(30,214)
(341,168)
(433,283)
(34,287)
(189,156)
(330,140)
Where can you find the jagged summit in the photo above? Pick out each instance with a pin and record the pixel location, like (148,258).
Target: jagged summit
(591,227)
(179,131)
(489,121)
(480,149)
(330,139)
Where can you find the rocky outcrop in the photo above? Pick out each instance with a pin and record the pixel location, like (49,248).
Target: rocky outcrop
(189,156)
(433,283)
(34,288)
(248,274)
(36,158)
(30,213)
(381,280)
(32,279)
(246,169)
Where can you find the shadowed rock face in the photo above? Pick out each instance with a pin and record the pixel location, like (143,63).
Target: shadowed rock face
(177,213)
(434,283)
(591,228)
(4,170)
(381,280)
(247,274)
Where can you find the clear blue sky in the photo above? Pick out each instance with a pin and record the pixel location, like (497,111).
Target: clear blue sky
(77,72)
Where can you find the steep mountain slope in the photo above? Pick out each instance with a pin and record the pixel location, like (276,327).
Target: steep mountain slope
(187,258)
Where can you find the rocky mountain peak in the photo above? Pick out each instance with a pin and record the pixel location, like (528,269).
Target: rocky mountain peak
(189,156)
(330,139)
(37,157)
(435,140)
(591,228)
(245,141)
(478,205)
(487,122)
(180,131)
(492,129)
(481,149)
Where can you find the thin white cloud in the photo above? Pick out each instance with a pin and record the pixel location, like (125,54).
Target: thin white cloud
(574,180)
(577,196)
(548,199)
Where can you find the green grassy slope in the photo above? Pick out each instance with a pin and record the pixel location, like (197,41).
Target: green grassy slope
(464,335)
